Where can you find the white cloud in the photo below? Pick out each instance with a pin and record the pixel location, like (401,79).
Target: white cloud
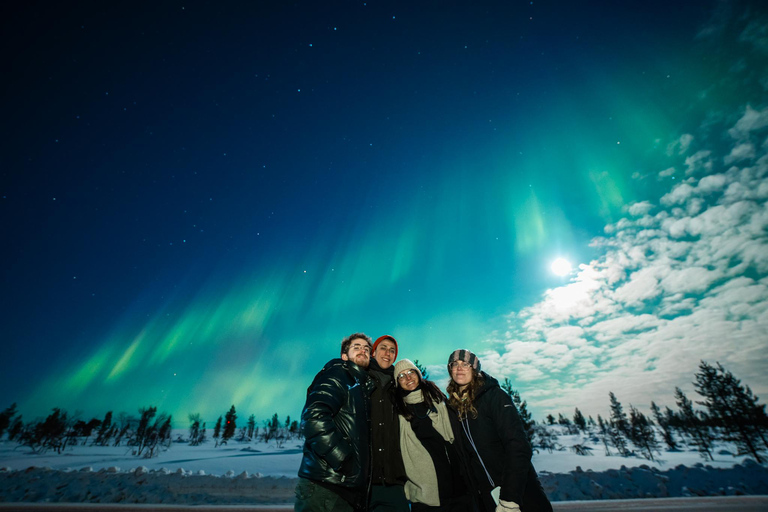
(666,173)
(688,283)
(681,145)
(678,195)
(699,162)
(640,208)
(740,152)
(752,120)
(713,183)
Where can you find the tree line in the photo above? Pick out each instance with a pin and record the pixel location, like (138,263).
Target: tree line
(145,436)
(731,413)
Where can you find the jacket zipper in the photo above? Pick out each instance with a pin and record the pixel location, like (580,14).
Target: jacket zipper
(465,426)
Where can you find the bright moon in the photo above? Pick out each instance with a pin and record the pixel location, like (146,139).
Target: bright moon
(561,266)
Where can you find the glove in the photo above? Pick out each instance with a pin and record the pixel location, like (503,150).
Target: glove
(507,506)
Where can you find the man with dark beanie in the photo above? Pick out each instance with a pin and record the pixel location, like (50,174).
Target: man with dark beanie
(387,470)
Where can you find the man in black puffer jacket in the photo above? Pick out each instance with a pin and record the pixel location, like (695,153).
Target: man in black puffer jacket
(335,424)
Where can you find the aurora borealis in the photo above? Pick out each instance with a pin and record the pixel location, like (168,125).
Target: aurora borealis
(198,201)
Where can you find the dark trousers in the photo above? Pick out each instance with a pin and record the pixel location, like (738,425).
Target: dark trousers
(388,498)
(461,504)
(311,497)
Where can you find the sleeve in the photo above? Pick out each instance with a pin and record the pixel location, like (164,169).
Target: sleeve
(517,449)
(325,398)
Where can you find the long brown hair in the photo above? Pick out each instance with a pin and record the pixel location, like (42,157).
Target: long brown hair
(463,402)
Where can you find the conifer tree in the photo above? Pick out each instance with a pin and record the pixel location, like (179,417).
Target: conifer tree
(217,430)
(16,429)
(663,423)
(48,434)
(732,407)
(164,433)
(701,437)
(619,423)
(522,409)
(229,425)
(550,419)
(143,431)
(103,435)
(194,429)
(422,369)
(6,418)
(251,425)
(604,434)
(579,421)
(642,434)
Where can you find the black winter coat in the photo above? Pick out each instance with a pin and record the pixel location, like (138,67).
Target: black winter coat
(387,461)
(497,450)
(335,425)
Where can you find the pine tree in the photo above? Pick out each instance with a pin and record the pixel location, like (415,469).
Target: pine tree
(16,429)
(579,420)
(251,425)
(732,407)
(701,437)
(164,433)
(229,425)
(48,434)
(217,431)
(619,423)
(550,419)
(422,369)
(522,409)
(102,437)
(642,434)
(6,418)
(194,430)
(144,430)
(604,435)
(663,424)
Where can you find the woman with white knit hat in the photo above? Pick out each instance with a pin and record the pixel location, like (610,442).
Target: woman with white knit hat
(435,481)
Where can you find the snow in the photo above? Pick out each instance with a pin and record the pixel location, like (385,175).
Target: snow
(261,473)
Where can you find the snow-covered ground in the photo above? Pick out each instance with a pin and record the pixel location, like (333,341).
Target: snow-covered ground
(260,473)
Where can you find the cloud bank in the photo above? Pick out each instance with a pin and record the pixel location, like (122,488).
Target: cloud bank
(676,282)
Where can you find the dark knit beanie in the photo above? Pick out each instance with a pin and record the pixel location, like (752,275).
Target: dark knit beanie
(382,338)
(465,355)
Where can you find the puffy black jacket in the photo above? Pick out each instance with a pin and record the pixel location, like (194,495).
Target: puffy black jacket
(387,461)
(498,450)
(335,425)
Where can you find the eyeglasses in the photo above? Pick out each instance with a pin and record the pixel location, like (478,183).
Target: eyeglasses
(406,373)
(456,365)
(358,347)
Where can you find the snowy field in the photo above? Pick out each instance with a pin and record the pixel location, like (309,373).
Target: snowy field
(259,473)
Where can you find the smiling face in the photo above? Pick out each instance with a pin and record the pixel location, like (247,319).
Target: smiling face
(408,379)
(359,352)
(385,354)
(462,373)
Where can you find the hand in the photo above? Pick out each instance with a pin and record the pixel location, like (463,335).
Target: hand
(507,506)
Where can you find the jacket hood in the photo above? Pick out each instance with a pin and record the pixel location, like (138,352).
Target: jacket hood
(488,383)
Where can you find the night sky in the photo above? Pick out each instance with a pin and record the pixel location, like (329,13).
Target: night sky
(198,200)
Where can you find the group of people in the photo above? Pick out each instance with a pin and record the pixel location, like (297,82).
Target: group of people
(380,437)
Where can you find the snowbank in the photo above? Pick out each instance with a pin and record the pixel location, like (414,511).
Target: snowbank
(140,485)
(648,482)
